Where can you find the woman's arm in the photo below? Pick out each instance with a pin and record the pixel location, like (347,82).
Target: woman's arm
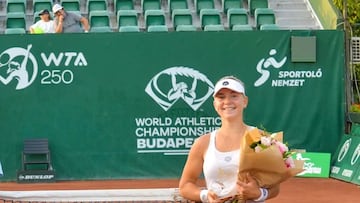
(193,169)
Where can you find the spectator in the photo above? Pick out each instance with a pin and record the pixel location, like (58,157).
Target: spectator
(68,22)
(44,25)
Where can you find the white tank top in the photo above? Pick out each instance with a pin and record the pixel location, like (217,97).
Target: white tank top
(221,169)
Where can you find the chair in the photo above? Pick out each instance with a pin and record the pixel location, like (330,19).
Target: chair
(185,28)
(99,21)
(39,5)
(177,4)
(209,17)
(157,28)
(123,5)
(204,4)
(214,28)
(100,29)
(269,27)
(254,4)
(237,16)
(127,18)
(36,152)
(154,17)
(264,16)
(96,5)
(181,17)
(150,5)
(15,31)
(242,28)
(129,28)
(15,20)
(16,6)
(227,4)
(71,5)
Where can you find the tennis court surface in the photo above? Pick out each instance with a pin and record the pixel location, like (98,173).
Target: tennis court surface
(295,190)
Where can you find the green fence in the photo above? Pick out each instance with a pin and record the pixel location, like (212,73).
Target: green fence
(129,105)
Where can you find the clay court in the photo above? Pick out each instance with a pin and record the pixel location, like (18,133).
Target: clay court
(295,190)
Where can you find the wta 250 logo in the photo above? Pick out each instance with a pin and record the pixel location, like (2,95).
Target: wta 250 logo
(18,64)
(175,83)
(20,67)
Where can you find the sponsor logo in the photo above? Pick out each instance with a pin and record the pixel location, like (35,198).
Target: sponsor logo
(22,65)
(36,177)
(282,78)
(344,150)
(18,64)
(263,67)
(355,155)
(181,83)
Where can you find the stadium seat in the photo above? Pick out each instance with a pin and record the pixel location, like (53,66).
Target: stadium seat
(242,28)
(100,29)
(264,16)
(127,18)
(129,29)
(15,20)
(210,17)
(150,5)
(182,28)
(99,21)
(154,17)
(39,5)
(16,6)
(96,5)
(123,5)
(237,16)
(15,31)
(71,5)
(157,28)
(254,4)
(214,28)
(269,27)
(177,4)
(204,4)
(227,4)
(181,17)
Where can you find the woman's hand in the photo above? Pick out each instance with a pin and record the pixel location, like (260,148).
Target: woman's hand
(249,188)
(213,198)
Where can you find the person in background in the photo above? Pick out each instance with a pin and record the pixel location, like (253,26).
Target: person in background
(69,22)
(216,155)
(44,25)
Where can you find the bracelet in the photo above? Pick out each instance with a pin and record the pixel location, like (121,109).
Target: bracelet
(264,193)
(204,195)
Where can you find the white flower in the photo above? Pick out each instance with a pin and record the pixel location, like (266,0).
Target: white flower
(265,140)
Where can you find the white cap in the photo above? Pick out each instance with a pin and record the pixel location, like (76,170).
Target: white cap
(229,83)
(56,8)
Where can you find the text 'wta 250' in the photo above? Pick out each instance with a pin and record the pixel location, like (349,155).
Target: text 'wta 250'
(21,65)
(62,59)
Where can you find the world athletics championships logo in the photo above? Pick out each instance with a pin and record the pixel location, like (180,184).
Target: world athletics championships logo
(15,61)
(177,86)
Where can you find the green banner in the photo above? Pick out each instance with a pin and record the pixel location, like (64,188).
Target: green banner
(345,162)
(355,129)
(130,105)
(356,177)
(316,165)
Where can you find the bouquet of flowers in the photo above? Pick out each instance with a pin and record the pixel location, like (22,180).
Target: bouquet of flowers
(267,158)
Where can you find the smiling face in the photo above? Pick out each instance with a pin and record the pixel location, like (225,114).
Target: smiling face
(230,104)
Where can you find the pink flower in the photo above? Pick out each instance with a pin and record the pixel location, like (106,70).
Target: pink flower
(282,147)
(290,162)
